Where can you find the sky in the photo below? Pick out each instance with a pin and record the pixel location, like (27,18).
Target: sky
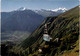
(10,5)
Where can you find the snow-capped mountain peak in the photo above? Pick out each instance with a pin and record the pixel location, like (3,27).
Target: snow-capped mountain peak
(21,9)
(60,10)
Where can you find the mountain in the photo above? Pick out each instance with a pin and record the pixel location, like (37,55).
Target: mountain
(23,21)
(65,27)
(55,12)
(20,20)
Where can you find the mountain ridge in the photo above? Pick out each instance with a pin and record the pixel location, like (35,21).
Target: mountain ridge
(67,23)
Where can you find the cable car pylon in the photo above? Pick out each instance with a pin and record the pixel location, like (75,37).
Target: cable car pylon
(47,39)
(46,36)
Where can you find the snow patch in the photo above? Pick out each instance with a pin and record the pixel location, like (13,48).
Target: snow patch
(21,9)
(60,9)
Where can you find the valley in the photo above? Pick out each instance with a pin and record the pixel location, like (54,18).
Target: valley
(64,27)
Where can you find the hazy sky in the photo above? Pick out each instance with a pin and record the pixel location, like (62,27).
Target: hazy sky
(9,5)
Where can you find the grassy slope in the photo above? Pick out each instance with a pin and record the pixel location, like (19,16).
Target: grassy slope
(64,26)
(73,52)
